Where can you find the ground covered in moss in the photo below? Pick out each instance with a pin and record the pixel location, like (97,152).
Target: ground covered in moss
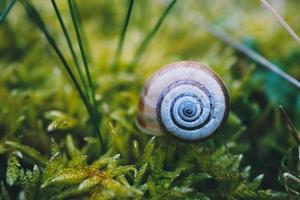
(62,141)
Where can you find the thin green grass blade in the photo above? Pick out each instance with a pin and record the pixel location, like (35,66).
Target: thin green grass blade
(122,35)
(83,33)
(76,23)
(82,51)
(289,124)
(6,10)
(35,17)
(71,48)
(143,46)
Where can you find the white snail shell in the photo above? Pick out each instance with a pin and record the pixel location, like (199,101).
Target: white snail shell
(185,99)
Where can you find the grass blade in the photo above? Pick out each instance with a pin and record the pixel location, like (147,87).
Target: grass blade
(143,46)
(288,122)
(122,35)
(71,48)
(35,17)
(219,33)
(281,21)
(83,35)
(6,10)
(82,51)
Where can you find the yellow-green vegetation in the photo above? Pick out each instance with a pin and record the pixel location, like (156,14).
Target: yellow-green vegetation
(71,74)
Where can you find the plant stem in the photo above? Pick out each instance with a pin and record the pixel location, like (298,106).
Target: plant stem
(289,124)
(75,59)
(143,46)
(6,10)
(83,35)
(35,17)
(281,21)
(82,51)
(122,35)
(219,33)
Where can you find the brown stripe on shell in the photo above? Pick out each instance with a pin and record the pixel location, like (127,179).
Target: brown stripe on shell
(190,64)
(141,104)
(141,121)
(147,122)
(148,109)
(176,65)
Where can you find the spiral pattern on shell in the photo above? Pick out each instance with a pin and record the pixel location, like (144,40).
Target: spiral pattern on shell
(185,99)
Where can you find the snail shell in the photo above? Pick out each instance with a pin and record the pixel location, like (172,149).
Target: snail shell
(184,99)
